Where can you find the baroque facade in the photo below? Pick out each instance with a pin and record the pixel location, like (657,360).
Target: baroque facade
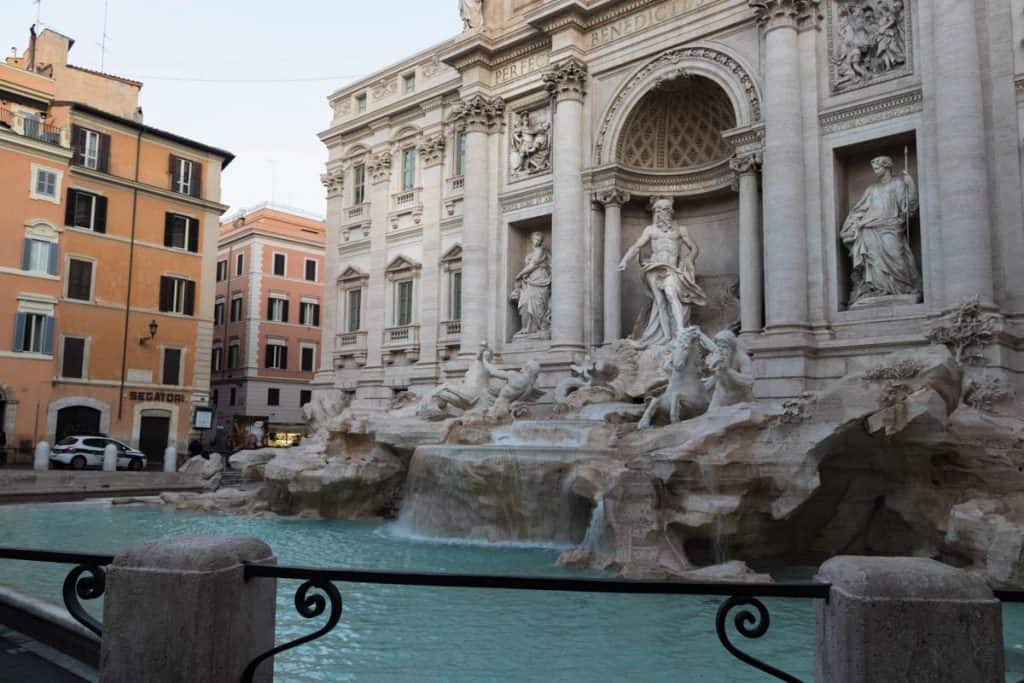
(843,172)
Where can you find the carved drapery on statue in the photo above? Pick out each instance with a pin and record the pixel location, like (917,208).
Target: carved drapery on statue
(531,144)
(472,13)
(670,275)
(877,234)
(532,292)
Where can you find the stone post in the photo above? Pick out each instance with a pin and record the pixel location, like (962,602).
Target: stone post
(962,164)
(567,84)
(180,610)
(612,200)
(784,224)
(110,458)
(479,116)
(170,459)
(906,619)
(747,167)
(41,459)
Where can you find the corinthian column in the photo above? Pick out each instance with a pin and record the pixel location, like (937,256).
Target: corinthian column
(746,167)
(963,179)
(334,182)
(612,201)
(567,83)
(478,116)
(784,222)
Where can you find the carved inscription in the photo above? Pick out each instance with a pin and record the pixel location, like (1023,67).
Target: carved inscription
(643,20)
(520,68)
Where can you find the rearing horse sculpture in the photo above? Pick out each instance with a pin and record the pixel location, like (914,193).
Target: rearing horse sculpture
(685,396)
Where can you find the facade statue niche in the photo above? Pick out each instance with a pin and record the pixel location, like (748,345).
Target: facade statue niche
(532,292)
(472,13)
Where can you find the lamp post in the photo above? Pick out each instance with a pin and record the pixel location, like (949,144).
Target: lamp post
(153,327)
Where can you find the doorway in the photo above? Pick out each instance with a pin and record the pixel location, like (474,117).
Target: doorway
(154,431)
(77,421)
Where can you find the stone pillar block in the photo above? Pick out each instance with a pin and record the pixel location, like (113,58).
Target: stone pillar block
(170,459)
(110,458)
(181,610)
(41,460)
(905,619)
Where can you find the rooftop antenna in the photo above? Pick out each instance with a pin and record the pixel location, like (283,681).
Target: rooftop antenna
(103,40)
(39,11)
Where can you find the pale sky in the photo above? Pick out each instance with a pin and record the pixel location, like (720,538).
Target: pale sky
(217,71)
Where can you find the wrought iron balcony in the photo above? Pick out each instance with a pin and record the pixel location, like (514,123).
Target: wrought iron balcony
(31,127)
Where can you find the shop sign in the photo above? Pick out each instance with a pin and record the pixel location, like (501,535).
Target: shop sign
(156,396)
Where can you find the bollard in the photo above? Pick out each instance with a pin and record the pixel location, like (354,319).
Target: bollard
(170,459)
(41,461)
(110,458)
(902,619)
(180,610)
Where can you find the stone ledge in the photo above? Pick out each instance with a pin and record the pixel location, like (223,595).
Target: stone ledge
(903,578)
(194,554)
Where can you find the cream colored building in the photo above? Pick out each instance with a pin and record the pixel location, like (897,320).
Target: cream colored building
(759,117)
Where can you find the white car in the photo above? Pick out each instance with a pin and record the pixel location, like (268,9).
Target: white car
(79,452)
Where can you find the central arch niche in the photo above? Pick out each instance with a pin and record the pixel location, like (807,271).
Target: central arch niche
(671,139)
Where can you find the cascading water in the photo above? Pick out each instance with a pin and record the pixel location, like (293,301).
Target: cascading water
(707,475)
(592,541)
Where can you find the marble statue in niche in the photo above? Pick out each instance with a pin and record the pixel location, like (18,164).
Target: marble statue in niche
(670,273)
(531,146)
(877,234)
(532,292)
(869,41)
(472,13)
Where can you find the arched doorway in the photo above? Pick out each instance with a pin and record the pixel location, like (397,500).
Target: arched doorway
(672,143)
(77,421)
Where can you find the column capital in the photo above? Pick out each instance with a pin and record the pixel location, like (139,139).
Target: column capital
(378,166)
(431,149)
(612,197)
(772,14)
(567,80)
(478,113)
(334,181)
(746,164)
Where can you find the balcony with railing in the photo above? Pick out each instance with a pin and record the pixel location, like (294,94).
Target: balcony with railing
(349,346)
(31,127)
(357,212)
(449,332)
(456,185)
(402,337)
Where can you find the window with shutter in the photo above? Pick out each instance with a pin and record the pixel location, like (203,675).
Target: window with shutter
(73,358)
(218,313)
(35,256)
(239,264)
(233,357)
(172,367)
(355,309)
(79,279)
(307,360)
(177,295)
(273,397)
(305,396)
(222,271)
(359,184)
(236,309)
(33,333)
(91,151)
(456,304)
(77,145)
(280,265)
(404,304)
(215,358)
(311,270)
(408,169)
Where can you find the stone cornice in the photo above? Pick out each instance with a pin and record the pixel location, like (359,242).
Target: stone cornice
(864,113)
(612,197)
(204,204)
(479,113)
(746,164)
(431,150)
(567,80)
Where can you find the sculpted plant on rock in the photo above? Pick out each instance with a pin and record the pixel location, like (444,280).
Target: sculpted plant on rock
(982,394)
(966,332)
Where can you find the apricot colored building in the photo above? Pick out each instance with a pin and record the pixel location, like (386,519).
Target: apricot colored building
(107,262)
(266,345)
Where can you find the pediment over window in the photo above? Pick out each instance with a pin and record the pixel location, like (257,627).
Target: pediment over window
(41,230)
(453,256)
(353,276)
(402,266)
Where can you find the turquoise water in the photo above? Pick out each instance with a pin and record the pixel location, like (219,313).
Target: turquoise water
(396,634)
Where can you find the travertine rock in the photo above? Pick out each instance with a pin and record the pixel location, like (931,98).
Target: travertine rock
(209,469)
(252,463)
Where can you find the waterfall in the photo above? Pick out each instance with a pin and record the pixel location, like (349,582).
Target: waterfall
(707,475)
(592,539)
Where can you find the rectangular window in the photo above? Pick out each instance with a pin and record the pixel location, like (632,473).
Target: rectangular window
(311,270)
(239,264)
(308,359)
(409,83)
(355,309)
(273,397)
(218,313)
(86,210)
(359,184)
(232,396)
(181,232)
(33,333)
(460,154)
(215,398)
(38,256)
(80,279)
(309,314)
(73,358)
(456,306)
(277,356)
(45,184)
(403,304)
(305,396)
(90,149)
(280,265)
(217,358)
(408,169)
(361,103)
(222,271)
(233,357)
(177,295)
(172,367)
(236,309)
(277,310)
(186,176)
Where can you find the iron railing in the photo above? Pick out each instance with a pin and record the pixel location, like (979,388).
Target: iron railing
(30,127)
(318,593)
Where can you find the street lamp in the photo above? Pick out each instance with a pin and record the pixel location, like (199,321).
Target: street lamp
(152,332)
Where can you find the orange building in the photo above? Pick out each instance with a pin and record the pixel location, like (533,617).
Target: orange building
(266,345)
(108,259)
